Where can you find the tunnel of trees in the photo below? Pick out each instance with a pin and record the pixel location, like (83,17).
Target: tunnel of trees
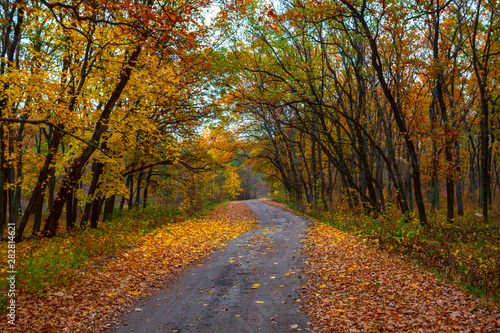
(115,104)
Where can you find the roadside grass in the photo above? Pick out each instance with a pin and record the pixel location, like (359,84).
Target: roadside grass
(44,263)
(466,251)
(353,285)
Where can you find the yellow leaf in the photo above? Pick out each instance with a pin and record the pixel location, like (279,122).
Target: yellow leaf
(256,285)
(237,315)
(135,293)
(259,301)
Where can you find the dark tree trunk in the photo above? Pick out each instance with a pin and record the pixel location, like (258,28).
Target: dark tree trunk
(131,193)
(109,205)
(460,204)
(96,173)
(323,180)
(10,179)
(410,145)
(146,189)
(52,186)
(434,183)
(138,190)
(38,210)
(122,202)
(70,218)
(96,212)
(41,182)
(314,185)
(11,38)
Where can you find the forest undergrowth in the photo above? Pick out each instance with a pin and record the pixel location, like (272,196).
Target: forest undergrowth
(362,279)
(466,251)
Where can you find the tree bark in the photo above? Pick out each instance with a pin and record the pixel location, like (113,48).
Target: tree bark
(138,190)
(96,212)
(146,189)
(108,209)
(96,173)
(70,218)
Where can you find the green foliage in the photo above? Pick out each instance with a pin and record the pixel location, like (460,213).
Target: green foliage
(212,205)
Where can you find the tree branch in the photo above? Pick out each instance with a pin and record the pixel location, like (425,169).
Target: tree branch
(429,11)
(48,123)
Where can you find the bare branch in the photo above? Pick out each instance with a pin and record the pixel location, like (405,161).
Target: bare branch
(429,11)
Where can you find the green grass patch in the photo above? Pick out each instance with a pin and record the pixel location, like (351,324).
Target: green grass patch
(44,263)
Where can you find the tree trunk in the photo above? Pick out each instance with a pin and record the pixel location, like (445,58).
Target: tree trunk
(75,170)
(410,145)
(70,218)
(96,212)
(323,180)
(96,173)
(146,189)
(122,202)
(38,210)
(11,38)
(41,182)
(314,185)
(138,190)
(108,209)
(131,193)
(459,191)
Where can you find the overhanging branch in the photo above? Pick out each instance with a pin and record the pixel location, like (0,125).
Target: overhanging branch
(48,123)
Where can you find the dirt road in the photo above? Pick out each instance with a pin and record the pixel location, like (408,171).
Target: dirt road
(248,286)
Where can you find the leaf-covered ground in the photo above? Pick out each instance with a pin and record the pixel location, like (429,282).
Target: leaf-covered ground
(353,286)
(111,286)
